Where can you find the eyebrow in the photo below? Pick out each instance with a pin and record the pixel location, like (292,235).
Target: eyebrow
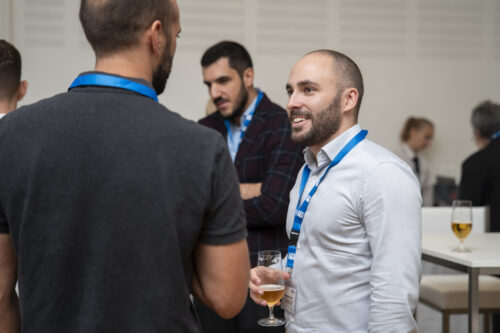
(218,79)
(302,84)
(307,83)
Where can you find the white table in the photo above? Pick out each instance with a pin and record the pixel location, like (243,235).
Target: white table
(484,258)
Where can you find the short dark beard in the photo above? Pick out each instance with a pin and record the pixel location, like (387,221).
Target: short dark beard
(325,123)
(242,100)
(162,73)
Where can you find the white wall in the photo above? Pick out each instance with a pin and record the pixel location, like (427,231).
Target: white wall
(5,19)
(432,58)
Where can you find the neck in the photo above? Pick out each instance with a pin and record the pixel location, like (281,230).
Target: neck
(344,126)
(7,106)
(128,63)
(411,145)
(252,94)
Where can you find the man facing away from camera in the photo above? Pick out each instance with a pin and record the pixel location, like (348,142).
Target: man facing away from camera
(354,214)
(114,209)
(12,88)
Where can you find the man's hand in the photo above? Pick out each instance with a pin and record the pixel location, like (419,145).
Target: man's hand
(250,190)
(255,282)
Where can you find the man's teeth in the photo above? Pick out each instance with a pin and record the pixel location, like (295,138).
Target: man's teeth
(298,120)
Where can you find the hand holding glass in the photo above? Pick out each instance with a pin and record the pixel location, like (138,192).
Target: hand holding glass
(270,273)
(461,221)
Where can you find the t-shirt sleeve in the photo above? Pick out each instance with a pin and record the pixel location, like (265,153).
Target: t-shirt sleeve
(225,220)
(4,226)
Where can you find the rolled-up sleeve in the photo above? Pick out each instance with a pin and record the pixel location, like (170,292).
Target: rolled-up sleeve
(392,216)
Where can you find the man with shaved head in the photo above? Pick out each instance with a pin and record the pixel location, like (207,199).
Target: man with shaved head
(354,216)
(114,209)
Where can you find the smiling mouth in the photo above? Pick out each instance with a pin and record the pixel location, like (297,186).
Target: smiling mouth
(297,119)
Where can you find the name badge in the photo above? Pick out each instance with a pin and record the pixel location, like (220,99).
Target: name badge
(288,300)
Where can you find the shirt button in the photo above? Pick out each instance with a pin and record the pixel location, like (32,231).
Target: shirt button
(298,246)
(292,319)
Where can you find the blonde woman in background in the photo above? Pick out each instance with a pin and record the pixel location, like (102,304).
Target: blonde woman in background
(416,135)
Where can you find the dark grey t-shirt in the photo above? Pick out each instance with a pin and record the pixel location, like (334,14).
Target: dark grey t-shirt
(105,194)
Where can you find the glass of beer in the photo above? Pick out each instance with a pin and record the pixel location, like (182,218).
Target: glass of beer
(461,221)
(269,271)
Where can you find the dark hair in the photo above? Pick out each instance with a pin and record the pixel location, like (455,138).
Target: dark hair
(349,75)
(10,70)
(486,118)
(114,25)
(413,123)
(238,56)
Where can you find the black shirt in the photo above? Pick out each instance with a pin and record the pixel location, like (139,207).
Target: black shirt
(105,194)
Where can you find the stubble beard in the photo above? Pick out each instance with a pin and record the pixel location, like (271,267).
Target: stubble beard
(162,73)
(242,100)
(324,124)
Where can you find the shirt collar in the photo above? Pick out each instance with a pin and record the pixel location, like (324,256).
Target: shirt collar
(408,151)
(134,79)
(328,152)
(250,109)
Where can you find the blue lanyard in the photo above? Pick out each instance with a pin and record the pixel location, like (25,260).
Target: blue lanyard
(495,135)
(106,80)
(302,209)
(246,122)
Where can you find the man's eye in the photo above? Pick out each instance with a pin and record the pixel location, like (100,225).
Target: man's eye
(308,89)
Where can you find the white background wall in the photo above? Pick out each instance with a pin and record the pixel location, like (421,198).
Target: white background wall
(431,58)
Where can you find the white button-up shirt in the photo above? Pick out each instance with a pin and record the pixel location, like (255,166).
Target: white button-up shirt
(357,266)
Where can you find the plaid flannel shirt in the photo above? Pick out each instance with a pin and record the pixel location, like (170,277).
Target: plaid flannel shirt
(266,154)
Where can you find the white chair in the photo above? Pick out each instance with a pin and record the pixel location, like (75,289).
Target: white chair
(448,293)
(436,220)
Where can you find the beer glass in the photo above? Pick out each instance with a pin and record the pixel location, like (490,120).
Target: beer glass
(461,221)
(270,273)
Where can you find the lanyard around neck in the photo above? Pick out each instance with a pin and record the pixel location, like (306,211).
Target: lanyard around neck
(106,80)
(246,122)
(302,208)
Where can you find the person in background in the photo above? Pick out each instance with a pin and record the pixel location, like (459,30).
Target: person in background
(480,181)
(114,209)
(266,160)
(354,213)
(416,135)
(12,89)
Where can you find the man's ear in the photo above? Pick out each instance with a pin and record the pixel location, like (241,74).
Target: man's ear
(349,99)
(157,40)
(248,76)
(23,89)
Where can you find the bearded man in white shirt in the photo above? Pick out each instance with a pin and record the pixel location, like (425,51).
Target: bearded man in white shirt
(355,234)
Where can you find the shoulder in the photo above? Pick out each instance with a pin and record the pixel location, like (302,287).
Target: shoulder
(374,159)
(268,108)
(475,160)
(212,118)
(33,113)
(376,154)
(271,114)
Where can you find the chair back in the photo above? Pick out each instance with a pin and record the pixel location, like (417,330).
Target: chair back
(438,219)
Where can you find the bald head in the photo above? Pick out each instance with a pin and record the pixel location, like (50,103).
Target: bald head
(346,72)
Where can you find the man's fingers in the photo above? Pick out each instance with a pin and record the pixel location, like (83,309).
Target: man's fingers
(257,299)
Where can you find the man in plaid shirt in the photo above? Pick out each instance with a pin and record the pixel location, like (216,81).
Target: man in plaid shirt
(257,132)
